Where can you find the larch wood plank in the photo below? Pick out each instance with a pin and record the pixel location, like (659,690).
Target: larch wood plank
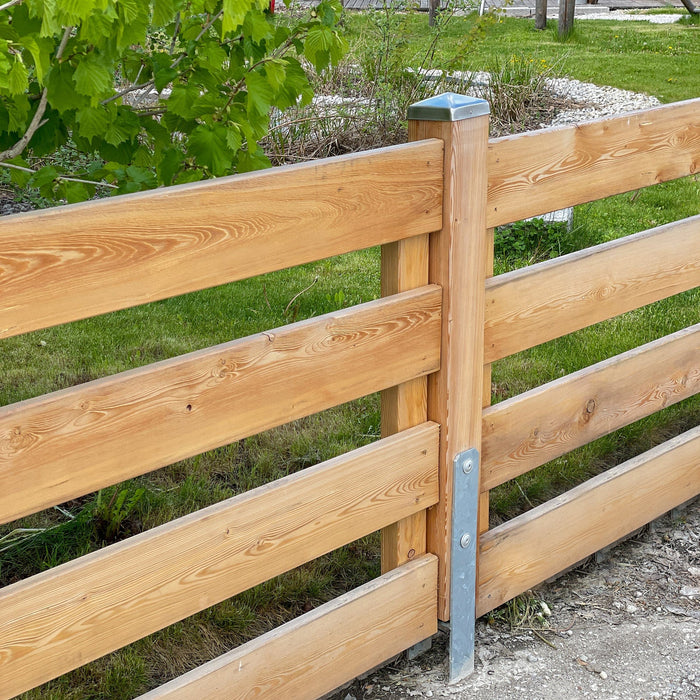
(548,169)
(538,303)
(484,499)
(547,539)
(533,428)
(458,259)
(62,445)
(404,266)
(124,251)
(63,618)
(324,648)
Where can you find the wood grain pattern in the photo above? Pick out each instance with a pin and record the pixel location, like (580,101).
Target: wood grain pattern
(542,542)
(538,172)
(404,267)
(76,612)
(321,650)
(107,255)
(74,441)
(484,499)
(528,430)
(538,303)
(458,258)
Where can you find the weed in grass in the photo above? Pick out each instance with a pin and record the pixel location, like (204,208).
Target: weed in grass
(112,511)
(529,242)
(525,612)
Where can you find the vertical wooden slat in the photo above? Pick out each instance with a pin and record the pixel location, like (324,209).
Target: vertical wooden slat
(404,267)
(458,255)
(486,395)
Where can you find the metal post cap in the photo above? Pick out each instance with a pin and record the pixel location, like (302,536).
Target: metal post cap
(448,107)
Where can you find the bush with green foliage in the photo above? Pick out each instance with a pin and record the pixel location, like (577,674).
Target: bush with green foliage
(78,70)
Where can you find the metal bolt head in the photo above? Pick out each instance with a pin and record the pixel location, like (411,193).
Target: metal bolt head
(467,466)
(465,540)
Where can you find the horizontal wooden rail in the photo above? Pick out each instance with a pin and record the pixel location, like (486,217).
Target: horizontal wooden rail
(535,427)
(62,445)
(67,263)
(76,612)
(535,304)
(323,649)
(548,169)
(544,541)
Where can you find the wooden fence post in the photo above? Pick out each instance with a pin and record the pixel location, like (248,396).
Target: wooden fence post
(458,260)
(404,267)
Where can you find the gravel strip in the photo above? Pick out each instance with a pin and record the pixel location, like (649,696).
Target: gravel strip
(622,16)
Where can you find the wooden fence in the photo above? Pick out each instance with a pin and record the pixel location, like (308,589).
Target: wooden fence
(427,345)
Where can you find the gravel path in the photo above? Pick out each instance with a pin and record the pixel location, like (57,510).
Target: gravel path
(624,628)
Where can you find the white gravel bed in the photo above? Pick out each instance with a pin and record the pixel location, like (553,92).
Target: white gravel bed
(623,16)
(600,101)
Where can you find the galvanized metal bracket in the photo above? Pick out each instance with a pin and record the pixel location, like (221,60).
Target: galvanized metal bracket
(465,505)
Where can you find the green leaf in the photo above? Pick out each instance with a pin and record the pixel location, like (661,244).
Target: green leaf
(93,77)
(258,26)
(163,74)
(169,165)
(23,24)
(76,191)
(209,148)
(61,89)
(44,176)
(276,72)
(180,100)
(163,12)
(40,50)
(18,80)
(92,121)
(234,14)
(74,11)
(19,177)
(260,94)
(190,175)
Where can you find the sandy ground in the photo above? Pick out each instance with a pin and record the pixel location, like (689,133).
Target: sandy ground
(624,625)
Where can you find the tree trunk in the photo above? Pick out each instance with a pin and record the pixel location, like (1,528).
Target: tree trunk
(541,14)
(432,10)
(566,17)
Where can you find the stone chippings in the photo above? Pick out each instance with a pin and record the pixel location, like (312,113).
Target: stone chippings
(598,101)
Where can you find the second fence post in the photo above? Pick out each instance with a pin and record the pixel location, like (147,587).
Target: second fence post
(457,261)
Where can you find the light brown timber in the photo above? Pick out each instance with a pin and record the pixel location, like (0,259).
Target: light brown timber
(120,252)
(484,499)
(321,650)
(538,303)
(63,618)
(542,542)
(533,428)
(404,267)
(548,169)
(62,445)
(458,255)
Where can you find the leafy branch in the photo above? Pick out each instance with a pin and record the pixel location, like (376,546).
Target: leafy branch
(228,66)
(36,121)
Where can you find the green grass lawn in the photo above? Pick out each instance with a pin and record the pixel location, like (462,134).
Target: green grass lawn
(660,60)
